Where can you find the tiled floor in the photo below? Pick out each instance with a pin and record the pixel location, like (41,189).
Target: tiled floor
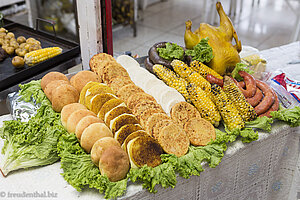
(263,26)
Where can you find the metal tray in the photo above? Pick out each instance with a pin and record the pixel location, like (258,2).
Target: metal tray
(10,76)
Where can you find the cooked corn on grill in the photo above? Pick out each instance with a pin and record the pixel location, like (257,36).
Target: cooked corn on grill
(228,111)
(186,72)
(40,55)
(172,80)
(203,103)
(203,70)
(247,112)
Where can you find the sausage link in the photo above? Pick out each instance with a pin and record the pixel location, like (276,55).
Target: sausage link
(155,58)
(149,65)
(268,99)
(242,84)
(256,98)
(212,79)
(250,84)
(274,107)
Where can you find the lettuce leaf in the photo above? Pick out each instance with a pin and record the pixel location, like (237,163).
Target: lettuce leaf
(80,171)
(32,143)
(240,67)
(163,174)
(32,91)
(201,52)
(247,134)
(263,123)
(291,116)
(171,51)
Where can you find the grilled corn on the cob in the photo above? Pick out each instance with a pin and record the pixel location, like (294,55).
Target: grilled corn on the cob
(247,112)
(186,72)
(182,69)
(205,106)
(198,80)
(40,55)
(228,111)
(203,69)
(173,80)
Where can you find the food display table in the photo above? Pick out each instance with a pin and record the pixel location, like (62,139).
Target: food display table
(265,169)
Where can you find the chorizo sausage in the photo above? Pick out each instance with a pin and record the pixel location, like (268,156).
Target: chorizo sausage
(149,65)
(242,84)
(155,58)
(256,98)
(212,79)
(274,107)
(250,84)
(268,99)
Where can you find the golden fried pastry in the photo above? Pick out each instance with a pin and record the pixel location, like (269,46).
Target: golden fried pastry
(159,125)
(99,99)
(183,111)
(100,146)
(113,70)
(136,98)
(130,137)
(93,91)
(114,163)
(174,140)
(52,76)
(199,131)
(64,95)
(127,90)
(126,130)
(155,118)
(84,123)
(75,117)
(115,112)
(109,105)
(84,90)
(118,82)
(145,115)
(93,133)
(144,150)
(68,110)
(80,79)
(52,86)
(122,120)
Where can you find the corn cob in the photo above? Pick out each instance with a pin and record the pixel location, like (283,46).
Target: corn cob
(247,112)
(40,55)
(173,80)
(182,69)
(198,80)
(186,72)
(203,70)
(205,106)
(228,111)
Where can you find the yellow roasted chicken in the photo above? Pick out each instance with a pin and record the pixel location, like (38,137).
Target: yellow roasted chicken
(226,55)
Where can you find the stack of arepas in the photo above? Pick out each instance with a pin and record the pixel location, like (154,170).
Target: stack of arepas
(121,122)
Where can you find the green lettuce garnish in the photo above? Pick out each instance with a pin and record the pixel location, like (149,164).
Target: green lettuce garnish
(80,171)
(240,67)
(171,51)
(263,123)
(201,51)
(291,116)
(32,143)
(247,134)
